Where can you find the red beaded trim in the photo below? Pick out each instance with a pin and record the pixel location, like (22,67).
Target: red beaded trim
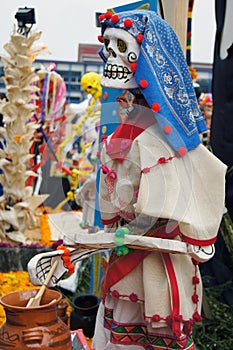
(161,160)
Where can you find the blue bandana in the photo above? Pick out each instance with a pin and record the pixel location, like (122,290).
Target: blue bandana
(162,64)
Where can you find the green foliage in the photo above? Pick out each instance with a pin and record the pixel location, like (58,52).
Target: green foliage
(84,278)
(215,332)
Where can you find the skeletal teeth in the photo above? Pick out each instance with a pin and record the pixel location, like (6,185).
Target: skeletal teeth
(120,72)
(112,71)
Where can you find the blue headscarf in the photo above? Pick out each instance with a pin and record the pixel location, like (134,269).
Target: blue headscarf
(162,64)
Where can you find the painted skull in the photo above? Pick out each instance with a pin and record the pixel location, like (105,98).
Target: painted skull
(121,50)
(90,83)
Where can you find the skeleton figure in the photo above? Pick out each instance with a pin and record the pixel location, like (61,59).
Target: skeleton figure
(158,182)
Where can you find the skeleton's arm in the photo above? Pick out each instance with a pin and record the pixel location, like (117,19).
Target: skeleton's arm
(40,264)
(90,244)
(201,253)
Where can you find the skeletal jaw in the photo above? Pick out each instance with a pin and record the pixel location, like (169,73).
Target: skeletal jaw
(118,76)
(113,71)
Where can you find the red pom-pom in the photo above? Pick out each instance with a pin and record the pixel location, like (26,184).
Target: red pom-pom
(115,293)
(167,129)
(195,280)
(115,18)
(156,318)
(143,84)
(140,38)
(162,160)
(197,317)
(155,107)
(133,67)
(195,262)
(108,15)
(195,298)
(182,151)
(128,23)
(101,18)
(100,38)
(133,297)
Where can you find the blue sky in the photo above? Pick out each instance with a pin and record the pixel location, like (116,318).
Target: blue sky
(64,24)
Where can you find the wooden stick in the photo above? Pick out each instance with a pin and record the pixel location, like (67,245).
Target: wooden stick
(37,299)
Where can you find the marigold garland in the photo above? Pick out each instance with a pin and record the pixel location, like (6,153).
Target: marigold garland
(13,282)
(66,259)
(45,229)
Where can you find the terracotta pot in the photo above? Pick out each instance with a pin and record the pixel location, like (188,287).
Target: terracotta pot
(33,328)
(83,315)
(62,310)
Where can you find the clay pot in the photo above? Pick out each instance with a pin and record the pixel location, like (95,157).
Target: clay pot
(83,315)
(33,328)
(62,310)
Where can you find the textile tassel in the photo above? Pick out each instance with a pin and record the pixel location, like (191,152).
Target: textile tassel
(189,32)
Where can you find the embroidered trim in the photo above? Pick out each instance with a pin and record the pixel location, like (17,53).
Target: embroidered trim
(136,334)
(161,160)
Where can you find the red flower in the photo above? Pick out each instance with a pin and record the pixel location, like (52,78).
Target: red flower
(133,297)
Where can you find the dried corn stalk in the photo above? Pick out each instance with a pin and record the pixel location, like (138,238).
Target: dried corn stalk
(16,215)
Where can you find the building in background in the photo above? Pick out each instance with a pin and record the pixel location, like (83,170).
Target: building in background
(89,61)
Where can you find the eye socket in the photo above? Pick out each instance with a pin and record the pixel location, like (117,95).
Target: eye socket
(121,45)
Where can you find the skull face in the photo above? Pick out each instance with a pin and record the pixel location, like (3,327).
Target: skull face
(121,50)
(90,83)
